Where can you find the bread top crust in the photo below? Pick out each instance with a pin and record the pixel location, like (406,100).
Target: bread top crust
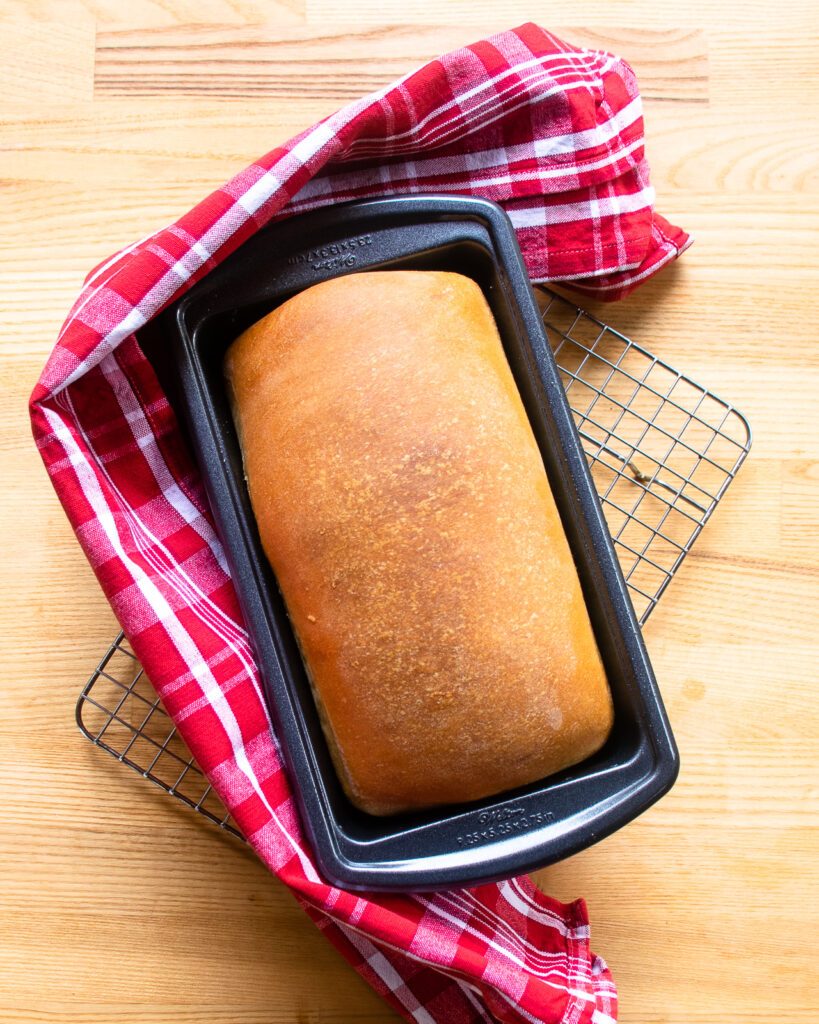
(404,507)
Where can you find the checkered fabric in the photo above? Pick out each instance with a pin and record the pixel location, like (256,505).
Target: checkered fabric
(555,135)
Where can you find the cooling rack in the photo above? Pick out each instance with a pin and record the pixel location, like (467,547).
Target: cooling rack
(662,450)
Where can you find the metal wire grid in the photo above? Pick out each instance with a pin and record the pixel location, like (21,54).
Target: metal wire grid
(119,711)
(662,448)
(662,451)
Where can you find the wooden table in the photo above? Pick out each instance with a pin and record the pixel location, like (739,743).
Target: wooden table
(120,906)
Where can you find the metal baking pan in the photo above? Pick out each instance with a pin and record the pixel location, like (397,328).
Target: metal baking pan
(516,831)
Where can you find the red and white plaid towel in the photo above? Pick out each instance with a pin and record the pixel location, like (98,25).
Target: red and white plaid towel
(555,135)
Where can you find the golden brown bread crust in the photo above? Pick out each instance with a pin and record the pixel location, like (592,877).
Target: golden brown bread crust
(403,504)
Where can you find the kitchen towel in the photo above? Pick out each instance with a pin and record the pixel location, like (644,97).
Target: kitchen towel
(555,134)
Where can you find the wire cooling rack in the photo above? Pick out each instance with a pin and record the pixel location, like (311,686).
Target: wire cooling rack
(662,451)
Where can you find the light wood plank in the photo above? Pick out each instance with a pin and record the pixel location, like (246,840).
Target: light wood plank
(45,65)
(119,907)
(267,60)
(161,13)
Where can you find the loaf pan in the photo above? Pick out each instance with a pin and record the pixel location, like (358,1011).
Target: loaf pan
(516,831)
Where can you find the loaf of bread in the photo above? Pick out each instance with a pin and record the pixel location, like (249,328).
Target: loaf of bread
(403,504)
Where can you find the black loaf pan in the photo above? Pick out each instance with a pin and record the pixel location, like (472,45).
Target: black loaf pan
(516,831)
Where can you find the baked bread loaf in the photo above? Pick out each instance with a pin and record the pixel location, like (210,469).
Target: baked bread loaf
(404,507)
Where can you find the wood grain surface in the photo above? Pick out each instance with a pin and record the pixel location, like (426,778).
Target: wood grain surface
(120,907)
